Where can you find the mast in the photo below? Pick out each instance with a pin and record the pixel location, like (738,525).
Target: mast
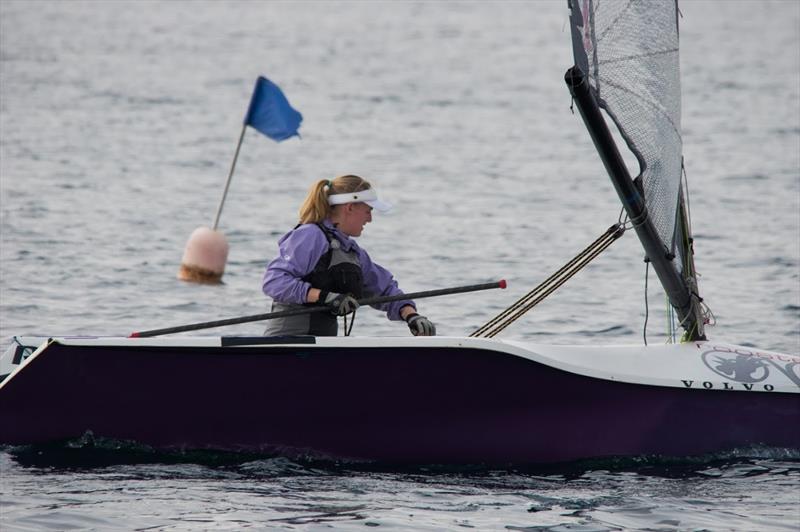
(682,296)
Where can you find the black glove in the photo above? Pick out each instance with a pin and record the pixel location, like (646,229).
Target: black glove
(339,304)
(420,325)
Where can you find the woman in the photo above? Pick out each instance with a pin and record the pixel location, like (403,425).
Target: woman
(318,263)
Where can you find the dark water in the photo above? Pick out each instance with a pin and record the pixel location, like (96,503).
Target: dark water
(118,122)
(115,487)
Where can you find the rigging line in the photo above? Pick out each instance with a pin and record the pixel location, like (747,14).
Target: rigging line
(689,333)
(666,320)
(687,230)
(538,294)
(708,312)
(686,196)
(611,234)
(502,326)
(553,282)
(673,318)
(646,306)
(535,296)
(688,315)
(547,290)
(626,223)
(670,331)
(347,330)
(540,297)
(704,308)
(572,98)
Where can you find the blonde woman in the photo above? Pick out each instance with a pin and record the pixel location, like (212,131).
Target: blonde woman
(319,263)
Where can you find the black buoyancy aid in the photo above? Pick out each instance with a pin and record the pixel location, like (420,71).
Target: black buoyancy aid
(337,270)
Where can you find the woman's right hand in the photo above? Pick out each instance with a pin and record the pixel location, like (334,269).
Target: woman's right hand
(339,304)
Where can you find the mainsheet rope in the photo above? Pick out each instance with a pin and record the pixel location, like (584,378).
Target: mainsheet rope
(491,328)
(347,330)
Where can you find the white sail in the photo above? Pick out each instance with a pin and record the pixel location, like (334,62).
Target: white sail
(629,52)
(627,64)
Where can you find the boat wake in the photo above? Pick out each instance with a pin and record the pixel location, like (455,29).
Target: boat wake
(90,452)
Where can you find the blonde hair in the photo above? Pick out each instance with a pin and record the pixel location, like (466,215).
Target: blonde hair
(315,207)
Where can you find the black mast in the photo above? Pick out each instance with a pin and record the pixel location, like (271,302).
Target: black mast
(681,295)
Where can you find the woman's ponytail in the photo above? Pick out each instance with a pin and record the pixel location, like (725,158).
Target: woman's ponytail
(315,207)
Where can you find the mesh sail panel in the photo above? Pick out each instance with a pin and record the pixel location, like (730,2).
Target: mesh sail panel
(629,51)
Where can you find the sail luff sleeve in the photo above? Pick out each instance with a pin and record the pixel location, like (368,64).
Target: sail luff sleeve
(577,29)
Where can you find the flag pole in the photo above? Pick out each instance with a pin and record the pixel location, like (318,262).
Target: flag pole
(230,175)
(269,113)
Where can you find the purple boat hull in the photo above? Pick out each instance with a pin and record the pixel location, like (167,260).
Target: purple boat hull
(390,404)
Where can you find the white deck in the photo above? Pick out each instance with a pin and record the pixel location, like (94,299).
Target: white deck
(696,365)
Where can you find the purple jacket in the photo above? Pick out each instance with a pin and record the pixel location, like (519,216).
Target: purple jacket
(300,249)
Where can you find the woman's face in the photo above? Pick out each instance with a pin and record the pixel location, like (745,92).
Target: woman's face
(352,217)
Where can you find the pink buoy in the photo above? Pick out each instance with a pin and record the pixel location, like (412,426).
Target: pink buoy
(204,257)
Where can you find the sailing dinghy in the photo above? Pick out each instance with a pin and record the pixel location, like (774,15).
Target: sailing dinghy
(452,400)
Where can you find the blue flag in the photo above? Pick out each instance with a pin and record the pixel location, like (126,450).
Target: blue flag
(270,112)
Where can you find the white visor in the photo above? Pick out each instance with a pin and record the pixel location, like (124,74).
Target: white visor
(369,196)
